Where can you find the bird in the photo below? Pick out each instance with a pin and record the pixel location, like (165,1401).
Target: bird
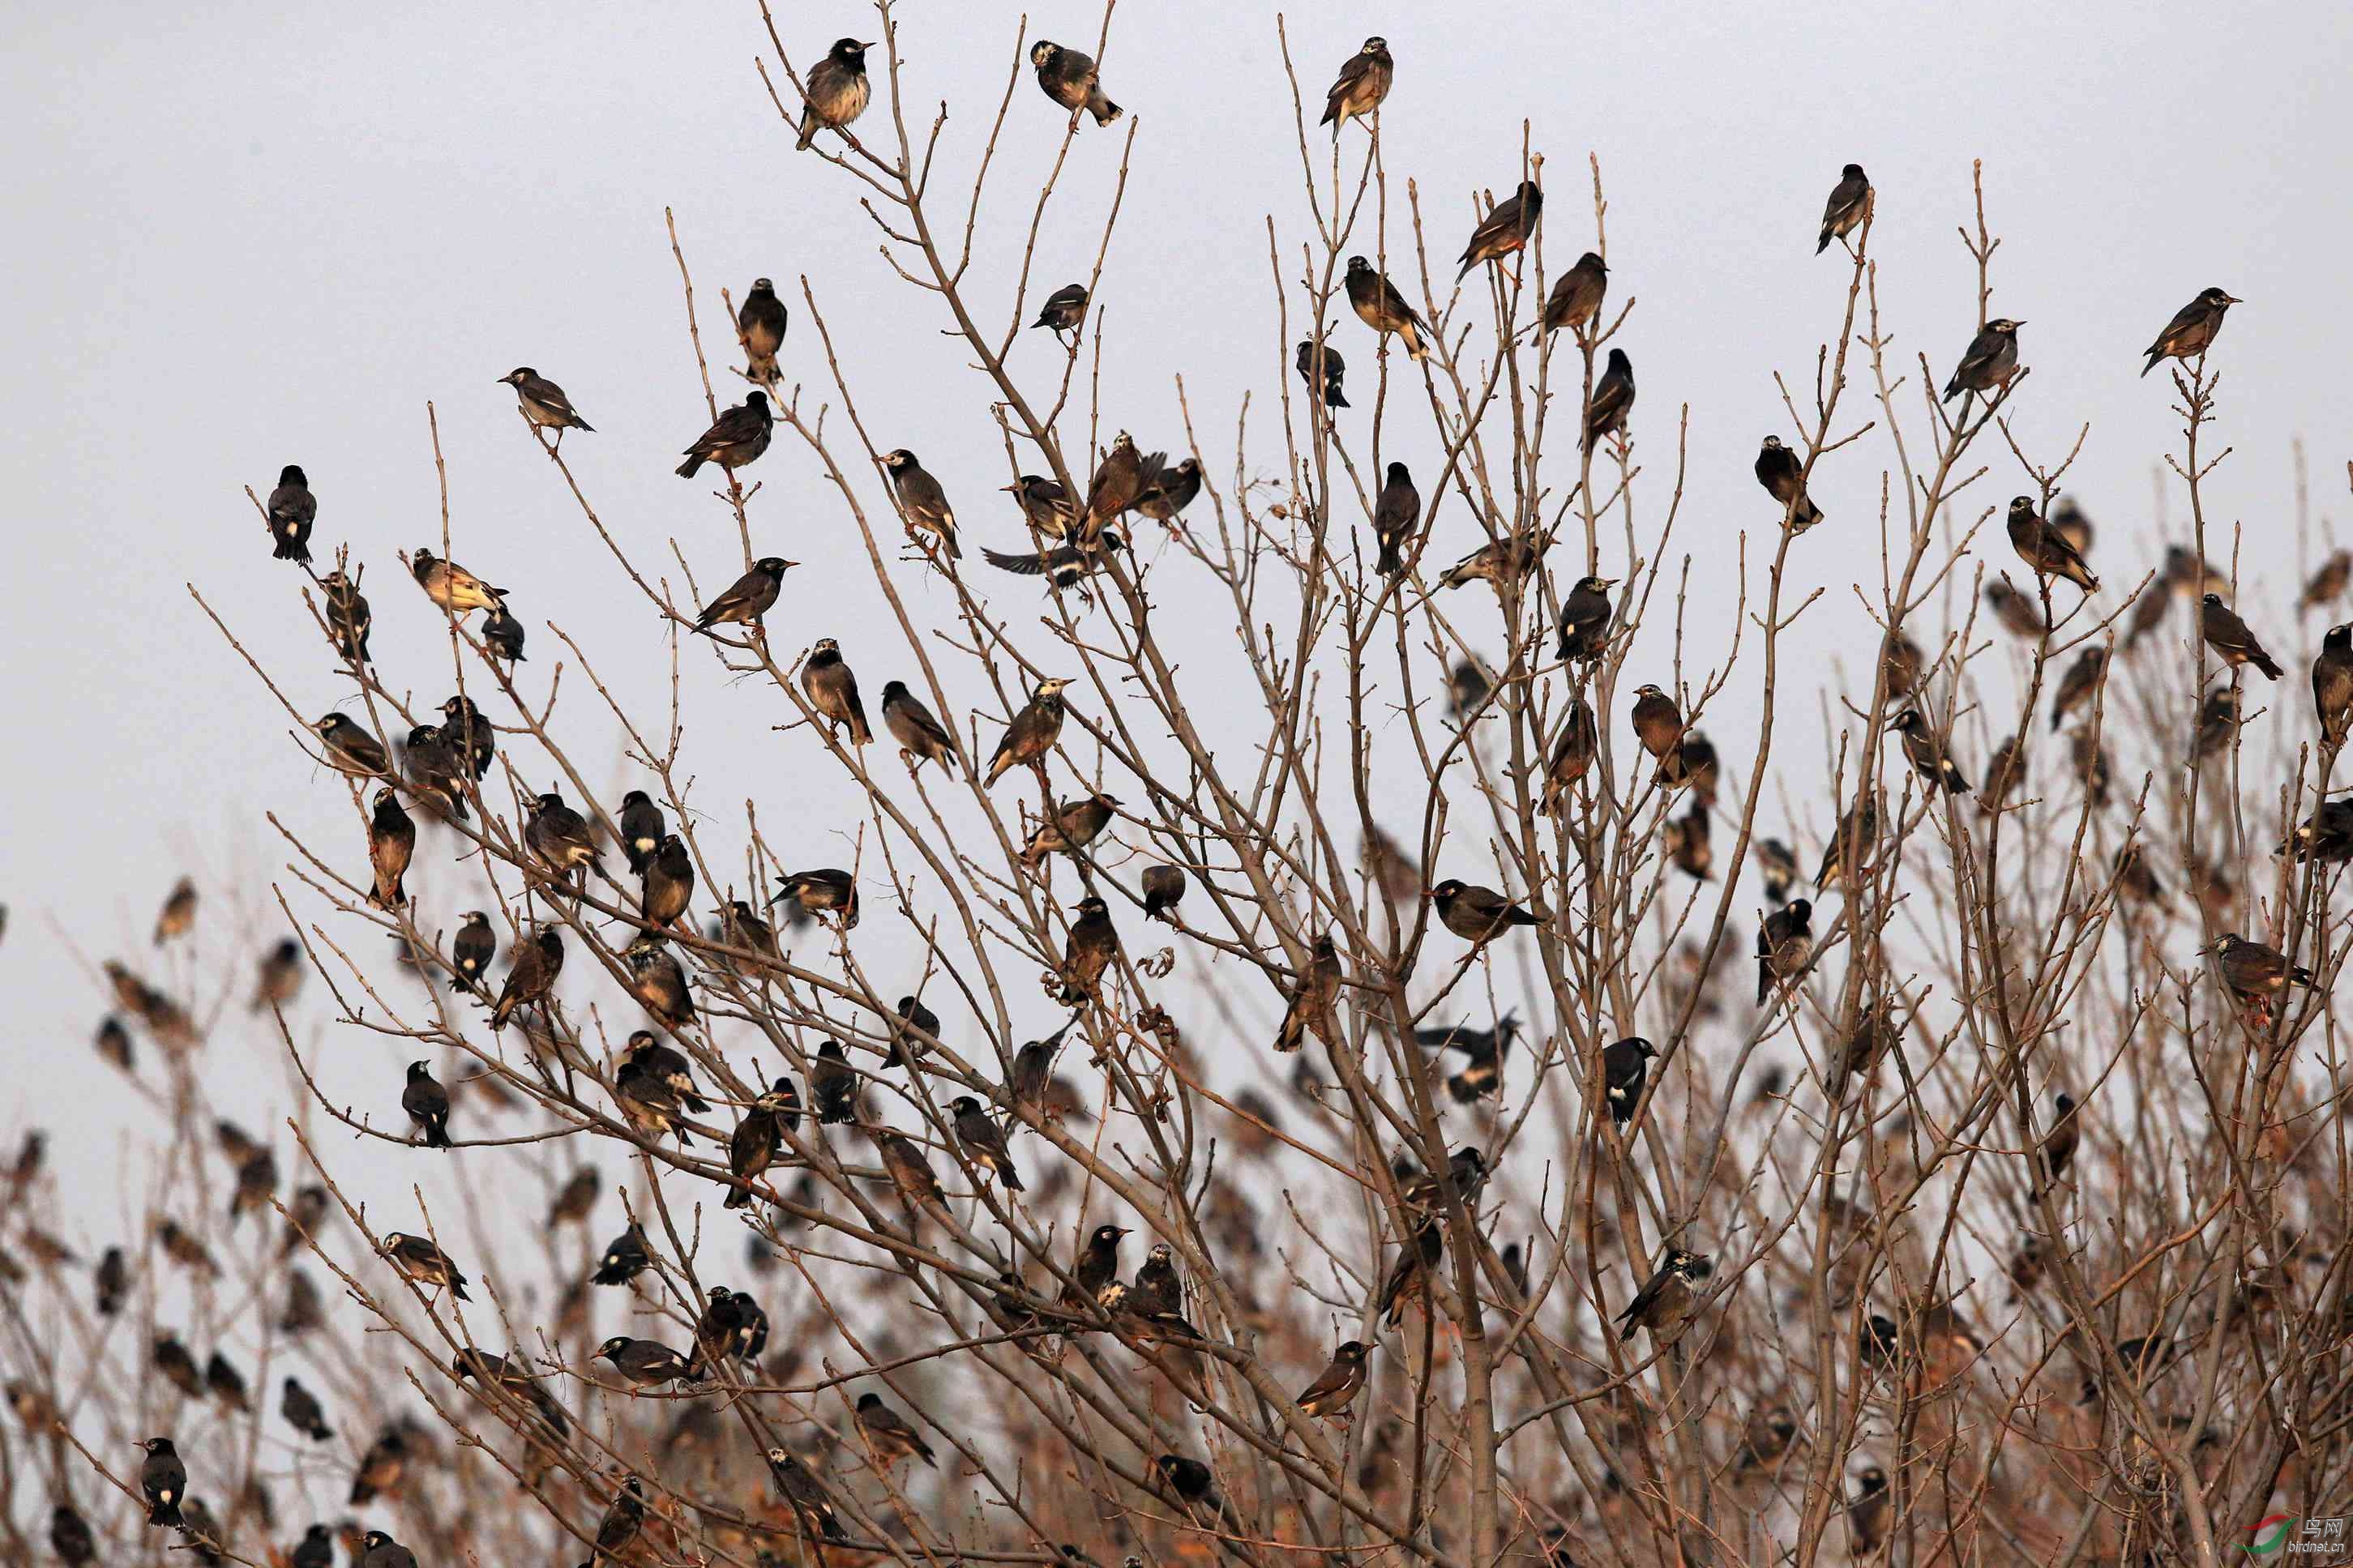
(1074,824)
(474,736)
(436,773)
(164,1481)
(811,1508)
(2057,1150)
(1577,295)
(450,585)
(759,1137)
(1686,842)
(920,737)
(1167,493)
(2013,611)
(1770,1432)
(381,1551)
(2005,771)
(1572,754)
(1506,228)
(1477,914)
(427,1104)
(1032,732)
(1088,951)
(1067,78)
(1625,1067)
(1667,1298)
(2217,721)
(351,750)
(502,635)
(178,915)
(1777,866)
(391,842)
(733,1327)
(2045,549)
(983,1141)
(1785,944)
(2079,684)
(112,1282)
(1613,399)
(1380,307)
(2325,835)
(889,1434)
(1784,479)
(644,1363)
(2254,972)
(1364,82)
(1120,482)
(910,1173)
(1045,505)
(667,882)
(837,91)
(561,837)
(1497,562)
(736,437)
(1064,565)
(921,502)
(2327,582)
(315,1550)
(833,1085)
(2228,636)
(1337,1387)
(544,402)
(832,690)
(623,1259)
(1902,667)
(1064,312)
(348,617)
(1396,516)
(622,1520)
(472,949)
(1163,887)
(417,1258)
(1989,361)
(177,1367)
(642,829)
(1843,214)
(2075,525)
(824,890)
(531,974)
(1331,390)
(760,323)
(2332,685)
(1866,1513)
(1658,723)
(576,1198)
(1586,615)
(1097,1266)
(2193,328)
(753,595)
(302,1412)
(292,510)
(1312,999)
(1925,749)
(658,981)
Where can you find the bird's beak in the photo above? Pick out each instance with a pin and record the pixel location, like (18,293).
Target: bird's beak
(2232,299)
(790,564)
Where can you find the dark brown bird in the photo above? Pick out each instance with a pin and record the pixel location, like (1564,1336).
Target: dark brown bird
(1783,475)
(2077,686)
(1119,481)
(2193,328)
(1776,865)
(427,1104)
(2005,771)
(669,882)
(1337,1387)
(1033,732)
(2217,721)
(832,690)
(2045,549)
(760,1137)
(348,617)
(2329,583)
(838,89)
(1843,212)
(921,500)
(1693,765)
(1990,359)
(753,595)
(1586,616)
(910,1173)
(1685,841)
(536,964)
(2091,764)
(561,837)
(1380,307)
(736,438)
(888,1432)
(643,828)
(1572,754)
(983,1141)
(351,750)
(2014,612)
(1498,561)
(1785,945)
(1477,914)
(1397,519)
(472,949)
(1163,887)
(544,402)
(417,1257)
(1613,399)
(2254,972)
(1667,1299)
(1069,78)
(292,509)
(1902,666)
(760,324)
(2057,1149)
(2074,524)
(1925,749)
(1074,824)
(392,843)
(827,890)
(178,916)
(1167,493)
(922,738)
(1577,295)
(1331,389)
(2332,686)
(1363,80)
(2228,636)
(1312,999)
(1867,1514)
(1658,723)
(1092,943)
(1507,229)
(1064,312)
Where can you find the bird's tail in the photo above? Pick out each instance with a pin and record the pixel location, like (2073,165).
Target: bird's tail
(808,132)
(2267,664)
(1392,560)
(686,470)
(1105,111)
(290,548)
(437,1136)
(763,368)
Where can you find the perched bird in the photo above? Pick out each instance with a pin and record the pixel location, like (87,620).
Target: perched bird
(642,829)
(1074,824)
(811,1507)
(70,1539)
(178,915)
(622,1520)
(381,1551)
(2045,549)
(2327,582)
(658,981)
(1586,615)
(1467,690)
(759,1137)
(351,750)
(392,843)
(1783,476)
(112,1282)
(1119,481)
(1477,914)
(760,324)
(1770,1431)
(164,1481)
(2057,1150)
(2325,835)
(2218,722)
(2016,613)
(1067,78)
(910,1173)
(1693,765)
(315,1550)
(920,737)
(2091,764)
(644,1363)
(450,585)
(1097,1267)
(348,617)
(1658,723)
(472,950)
(624,1259)
(437,774)
(2075,525)
(1577,295)
(1380,307)
(1163,887)
(833,1085)
(225,1383)
(1867,1513)
(502,635)
(1572,754)
(544,402)
(1902,667)
(577,1199)
(1667,1299)
(1989,361)
(1785,945)
(826,890)
(740,927)
(1409,1278)
(889,1434)
(1843,214)
(2005,771)
(1312,999)
(2332,686)
(1363,80)
(427,1104)
(921,502)
(1168,492)
(983,1142)
(1064,312)
(1331,389)
(561,837)
(837,91)
(1045,505)
(1686,843)
(753,595)
(1337,1387)
(1091,944)
(2254,972)
(417,1258)
(1925,749)
(1396,518)
(736,437)
(531,974)
(1613,399)
(1777,866)
(668,883)
(475,737)
(2078,685)
(1507,229)
(1625,1069)
(733,1327)
(2228,636)
(292,509)
(304,1311)
(176,1367)
(1033,732)
(302,1412)
(2193,328)
(1498,561)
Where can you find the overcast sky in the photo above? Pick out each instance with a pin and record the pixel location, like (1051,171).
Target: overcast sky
(249,236)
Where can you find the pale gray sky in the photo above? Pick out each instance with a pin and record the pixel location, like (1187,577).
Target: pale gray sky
(256,234)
